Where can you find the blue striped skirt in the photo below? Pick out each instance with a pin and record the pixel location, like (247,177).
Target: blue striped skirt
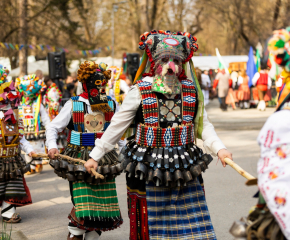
(178,213)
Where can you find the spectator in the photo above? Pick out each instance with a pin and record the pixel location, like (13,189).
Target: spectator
(263,82)
(69,79)
(47,81)
(69,91)
(223,87)
(234,77)
(198,76)
(39,74)
(206,83)
(244,93)
(126,79)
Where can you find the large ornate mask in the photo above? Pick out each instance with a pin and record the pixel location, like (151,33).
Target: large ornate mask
(167,70)
(96,87)
(167,52)
(94,78)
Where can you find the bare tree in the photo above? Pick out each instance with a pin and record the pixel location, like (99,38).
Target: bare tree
(23,36)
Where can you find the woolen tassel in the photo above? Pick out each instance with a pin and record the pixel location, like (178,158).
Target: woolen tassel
(102,107)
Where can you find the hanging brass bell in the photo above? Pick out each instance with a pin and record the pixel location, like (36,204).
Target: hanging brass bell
(187,176)
(158,177)
(150,176)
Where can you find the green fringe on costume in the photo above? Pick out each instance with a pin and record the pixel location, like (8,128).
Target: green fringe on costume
(98,201)
(198,122)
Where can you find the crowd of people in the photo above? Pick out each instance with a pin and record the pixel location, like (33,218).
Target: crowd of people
(232,89)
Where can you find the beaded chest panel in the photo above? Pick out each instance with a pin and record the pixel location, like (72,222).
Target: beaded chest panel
(173,110)
(170,110)
(94,122)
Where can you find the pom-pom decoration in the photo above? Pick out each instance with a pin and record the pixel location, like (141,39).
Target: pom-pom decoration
(30,85)
(88,68)
(3,74)
(103,66)
(147,41)
(279,46)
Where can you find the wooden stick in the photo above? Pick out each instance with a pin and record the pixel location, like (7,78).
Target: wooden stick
(252,182)
(43,155)
(239,169)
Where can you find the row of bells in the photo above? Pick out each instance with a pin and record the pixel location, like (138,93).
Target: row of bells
(33,137)
(10,169)
(77,172)
(163,177)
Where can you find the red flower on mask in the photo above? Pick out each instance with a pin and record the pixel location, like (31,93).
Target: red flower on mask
(94,92)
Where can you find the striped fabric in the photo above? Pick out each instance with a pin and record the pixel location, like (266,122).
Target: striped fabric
(178,213)
(12,188)
(96,201)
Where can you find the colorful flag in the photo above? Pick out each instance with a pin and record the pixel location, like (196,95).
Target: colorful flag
(221,61)
(258,60)
(11,45)
(251,66)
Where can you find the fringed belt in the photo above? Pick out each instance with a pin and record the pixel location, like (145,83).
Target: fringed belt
(83,139)
(164,137)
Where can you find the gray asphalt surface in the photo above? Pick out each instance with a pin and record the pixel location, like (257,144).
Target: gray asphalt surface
(227,196)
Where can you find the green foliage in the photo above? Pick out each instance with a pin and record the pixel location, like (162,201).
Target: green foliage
(4,234)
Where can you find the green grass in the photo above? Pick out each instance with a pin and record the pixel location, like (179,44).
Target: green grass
(4,234)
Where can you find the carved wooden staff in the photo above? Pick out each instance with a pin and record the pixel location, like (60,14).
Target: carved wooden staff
(251,179)
(43,155)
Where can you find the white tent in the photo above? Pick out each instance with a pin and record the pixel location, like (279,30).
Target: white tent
(43,65)
(211,62)
(32,67)
(74,66)
(202,62)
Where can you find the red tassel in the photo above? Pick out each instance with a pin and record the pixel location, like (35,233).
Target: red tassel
(188,58)
(151,72)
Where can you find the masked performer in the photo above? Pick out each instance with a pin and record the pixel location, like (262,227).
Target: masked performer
(52,101)
(13,189)
(34,115)
(270,220)
(117,90)
(87,116)
(53,98)
(165,197)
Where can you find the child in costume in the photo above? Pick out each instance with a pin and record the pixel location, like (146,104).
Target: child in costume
(162,162)
(52,100)
(86,117)
(13,189)
(34,115)
(270,219)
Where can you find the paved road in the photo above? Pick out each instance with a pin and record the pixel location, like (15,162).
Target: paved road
(227,196)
